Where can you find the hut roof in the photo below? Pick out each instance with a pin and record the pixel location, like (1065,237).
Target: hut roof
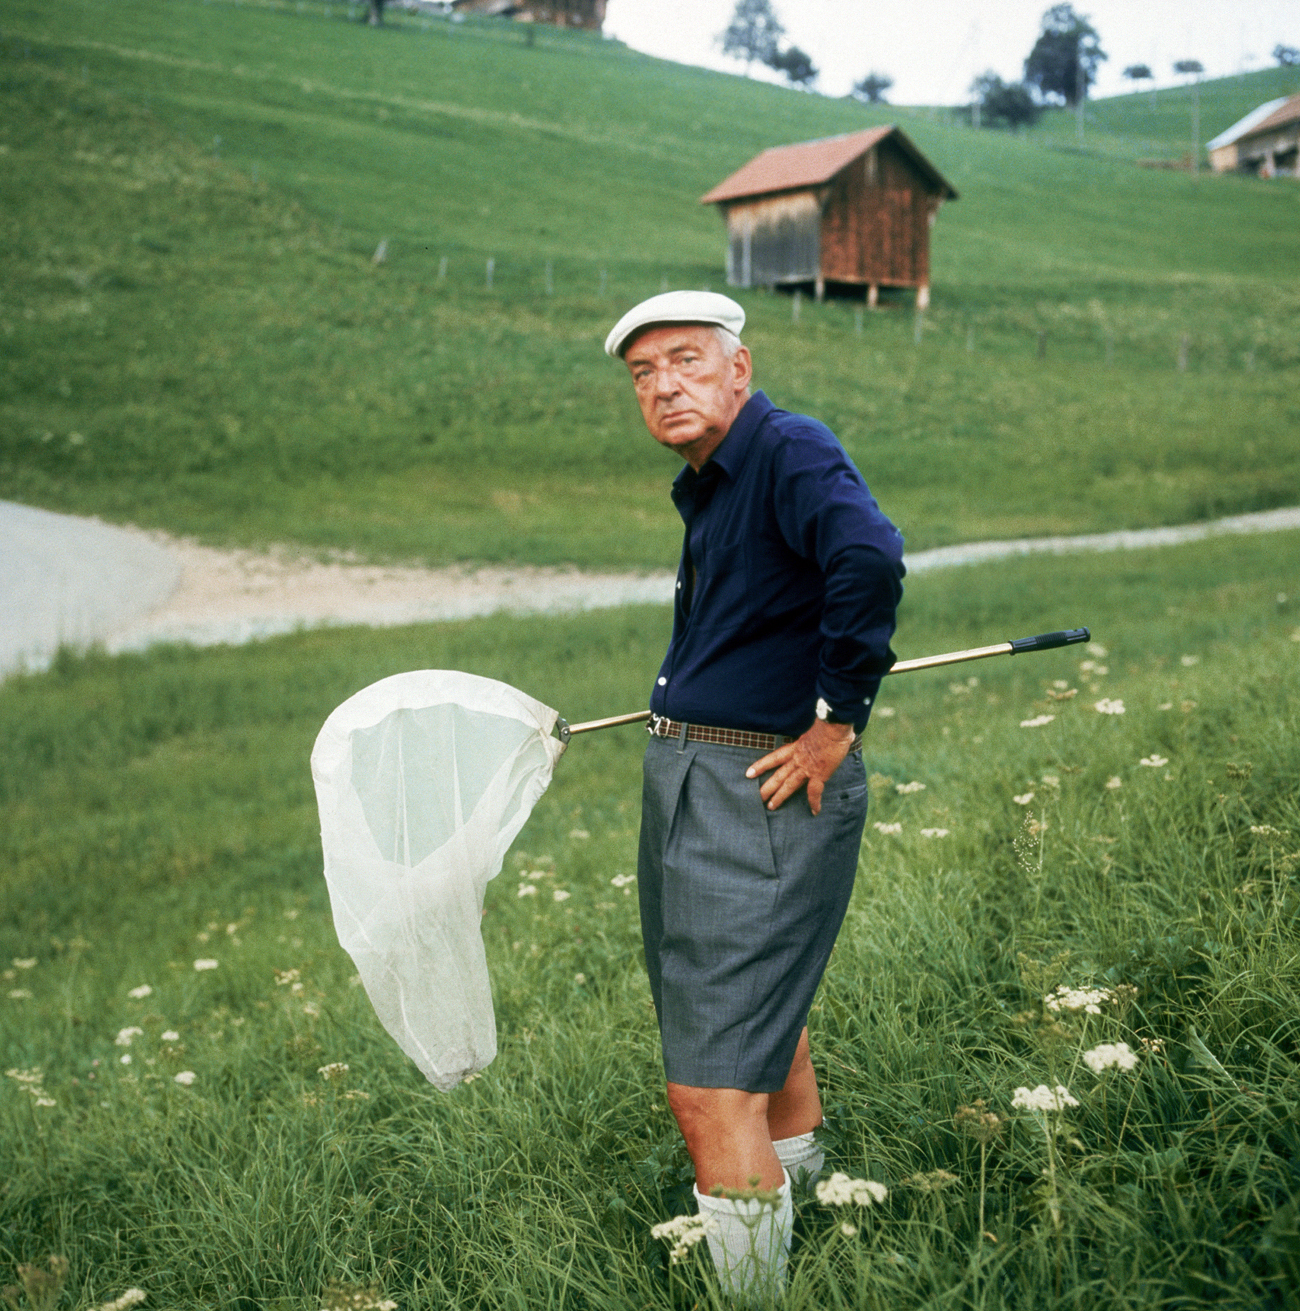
(811,163)
(1272,114)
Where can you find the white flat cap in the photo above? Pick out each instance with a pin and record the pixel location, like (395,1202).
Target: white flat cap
(676,307)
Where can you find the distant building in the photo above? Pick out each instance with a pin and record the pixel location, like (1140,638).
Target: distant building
(1264,142)
(853,211)
(586,14)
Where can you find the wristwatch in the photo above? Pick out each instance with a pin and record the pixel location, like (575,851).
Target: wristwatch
(824,712)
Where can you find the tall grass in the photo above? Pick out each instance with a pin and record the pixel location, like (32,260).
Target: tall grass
(156,810)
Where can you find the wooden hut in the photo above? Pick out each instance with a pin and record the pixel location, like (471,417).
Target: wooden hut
(586,14)
(854,210)
(1266,142)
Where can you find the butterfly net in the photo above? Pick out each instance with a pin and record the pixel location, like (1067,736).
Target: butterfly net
(423,780)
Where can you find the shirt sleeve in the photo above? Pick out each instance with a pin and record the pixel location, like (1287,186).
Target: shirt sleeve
(827,514)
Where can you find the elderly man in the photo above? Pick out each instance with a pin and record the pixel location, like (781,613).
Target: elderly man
(789,579)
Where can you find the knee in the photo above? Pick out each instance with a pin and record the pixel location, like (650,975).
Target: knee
(710,1114)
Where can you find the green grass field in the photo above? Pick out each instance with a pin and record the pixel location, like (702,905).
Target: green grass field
(157,810)
(195,336)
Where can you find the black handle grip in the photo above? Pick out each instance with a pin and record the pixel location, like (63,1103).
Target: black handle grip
(1046,641)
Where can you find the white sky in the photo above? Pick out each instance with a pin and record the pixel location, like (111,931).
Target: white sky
(933,49)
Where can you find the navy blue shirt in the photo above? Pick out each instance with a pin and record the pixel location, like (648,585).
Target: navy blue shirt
(789,579)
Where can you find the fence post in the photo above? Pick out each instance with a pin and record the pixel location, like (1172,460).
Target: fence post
(796,304)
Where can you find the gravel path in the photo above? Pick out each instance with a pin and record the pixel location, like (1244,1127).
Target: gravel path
(78,581)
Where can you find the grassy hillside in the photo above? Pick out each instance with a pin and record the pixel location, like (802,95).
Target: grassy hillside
(195,336)
(157,810)
(1158,124)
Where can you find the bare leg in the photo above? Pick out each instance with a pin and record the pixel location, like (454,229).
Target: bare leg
(797,1108)
(727,1136)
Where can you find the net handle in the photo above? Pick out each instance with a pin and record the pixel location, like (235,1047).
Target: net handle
(1017,646)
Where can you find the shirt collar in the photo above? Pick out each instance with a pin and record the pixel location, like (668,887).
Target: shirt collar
(731,451)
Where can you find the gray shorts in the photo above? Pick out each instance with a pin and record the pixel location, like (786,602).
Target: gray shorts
(739,908)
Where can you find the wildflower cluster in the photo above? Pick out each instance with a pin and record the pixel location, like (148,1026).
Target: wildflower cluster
(1038,721)
(1109,706)
(840,1190)
(1043,1098)
(132,1297)
(683,1232)
(339,1297)
(32,1082)
(887,829)
(904,788)
(978,1122)
(1106,1054)
(1089,1000)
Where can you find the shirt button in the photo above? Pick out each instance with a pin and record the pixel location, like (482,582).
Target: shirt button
(663,682)
(679,585)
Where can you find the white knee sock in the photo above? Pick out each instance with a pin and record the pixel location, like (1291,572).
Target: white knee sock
(802,1159)
(750,1244)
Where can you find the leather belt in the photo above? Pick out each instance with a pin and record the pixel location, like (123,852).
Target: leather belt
(661,726)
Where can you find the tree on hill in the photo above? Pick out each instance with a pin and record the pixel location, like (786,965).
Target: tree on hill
(994,102)
(871,90)
(1063,62)
(754,33)
(795,64)
(1287,56)
(1139,73)
(375,13)
(1189,67)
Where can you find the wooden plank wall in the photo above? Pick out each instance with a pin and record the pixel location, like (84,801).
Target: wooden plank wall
(774,239)
(876,223)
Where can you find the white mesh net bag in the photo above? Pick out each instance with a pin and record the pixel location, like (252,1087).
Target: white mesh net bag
(423,780)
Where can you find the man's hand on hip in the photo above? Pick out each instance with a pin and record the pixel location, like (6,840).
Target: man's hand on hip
(808,760)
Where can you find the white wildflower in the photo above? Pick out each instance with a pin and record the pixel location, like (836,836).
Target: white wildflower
(840,1190)
(125,1059)
(887,828)
(904,788)
(132,1297)
(934,832)
(622,880)
(683,1232)
(579,834)
(124,1036)
(170,1035)
(560,895)
(1089,1000)
(184,1078)
(205,965)
(1051,780)
(848,1230)
(1165,705)
(334,1070)
(527,890)
(1154,762)
(1101,652)
(1043,1098)
(140,993)
(580,978)
(24,962)
(888,712)
(1106,1054)
(1037,722)
(1107,706)
(1188,661)
(283,978)
(1023,799)
(1114,781)
(20,994)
